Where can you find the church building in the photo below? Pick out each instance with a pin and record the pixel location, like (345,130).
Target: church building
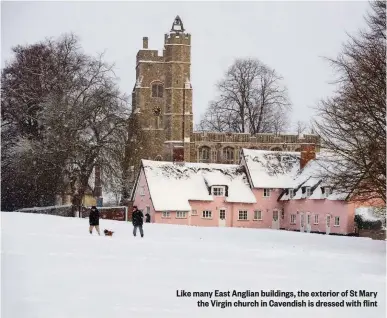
(162,104)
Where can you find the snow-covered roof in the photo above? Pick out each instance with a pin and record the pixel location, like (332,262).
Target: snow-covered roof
(272,169)
(368,213)
(281,169)
(171,186)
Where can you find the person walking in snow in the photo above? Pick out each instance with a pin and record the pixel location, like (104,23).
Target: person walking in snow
(137,220)
(147,217)
(94,220)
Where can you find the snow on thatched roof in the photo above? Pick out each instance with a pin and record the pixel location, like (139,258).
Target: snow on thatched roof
(172,185)
(281,169)
(272,169)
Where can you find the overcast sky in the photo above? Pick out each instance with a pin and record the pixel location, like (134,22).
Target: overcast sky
(290,37)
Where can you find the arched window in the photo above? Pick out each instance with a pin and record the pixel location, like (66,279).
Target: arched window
(157,90)
(298,149)
(204,154)
(228,155)
(158,158)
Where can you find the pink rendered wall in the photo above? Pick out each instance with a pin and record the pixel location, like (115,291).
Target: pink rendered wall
(215,206)
(321,207)
(142,201)
(266,205)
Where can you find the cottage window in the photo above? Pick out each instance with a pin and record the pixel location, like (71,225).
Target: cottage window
(307,192)
(142,190)
(257,215)
(181,215)
(293,219)
(308,219)
(327,192)
(218,191)
(316,219)
(228,155)
(242,215)
(204,154)
(337,221)
(166,214)
(157,90)
(291,193)
(194,212)
(266,193)
(207,214)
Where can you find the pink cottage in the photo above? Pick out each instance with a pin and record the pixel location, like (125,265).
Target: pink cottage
(277,190)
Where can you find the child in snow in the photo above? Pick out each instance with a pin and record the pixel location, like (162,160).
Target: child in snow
(147,217)
(94,220)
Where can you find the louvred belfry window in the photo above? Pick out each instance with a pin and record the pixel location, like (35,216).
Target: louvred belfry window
(157,90)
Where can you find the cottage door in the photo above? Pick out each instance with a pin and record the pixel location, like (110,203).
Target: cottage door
(275,222)
(308,226)
(302,222)
(222,217)
(328,224)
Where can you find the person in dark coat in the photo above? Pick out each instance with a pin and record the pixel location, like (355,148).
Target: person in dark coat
(94,220)
(147,217)
(137,220)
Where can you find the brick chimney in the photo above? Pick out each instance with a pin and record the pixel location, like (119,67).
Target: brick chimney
(145,42)
(308,152)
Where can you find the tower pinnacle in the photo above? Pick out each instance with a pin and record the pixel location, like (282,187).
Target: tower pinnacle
(177,25)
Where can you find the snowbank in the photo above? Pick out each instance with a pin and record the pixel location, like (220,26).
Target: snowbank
(52,267)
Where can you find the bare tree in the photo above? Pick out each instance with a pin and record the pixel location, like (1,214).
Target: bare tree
(301,127)
(68,110)
(352,123)
(251,99)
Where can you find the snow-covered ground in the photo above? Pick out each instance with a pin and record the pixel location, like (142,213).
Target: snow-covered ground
(52,267)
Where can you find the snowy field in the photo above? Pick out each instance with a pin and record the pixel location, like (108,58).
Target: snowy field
(52,267)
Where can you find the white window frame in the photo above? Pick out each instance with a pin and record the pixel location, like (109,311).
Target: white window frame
(337,218)
(316,219)
(291,193)
(142,190)
(181,214)
(266,192)
(218,188)
(207,214)
(194,212)
(245,214)
(308,192)
(293,220)
(256,214)
(148,209)
(308,219)
(166,215)
(327,192)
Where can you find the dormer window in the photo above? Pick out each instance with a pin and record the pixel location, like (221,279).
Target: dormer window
(327,192)
(291,193)
(218,191)
(308,192)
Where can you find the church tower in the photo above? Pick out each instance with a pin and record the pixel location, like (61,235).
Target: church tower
(162,96)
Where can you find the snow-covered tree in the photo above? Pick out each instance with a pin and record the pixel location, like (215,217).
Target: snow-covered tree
(67,107)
